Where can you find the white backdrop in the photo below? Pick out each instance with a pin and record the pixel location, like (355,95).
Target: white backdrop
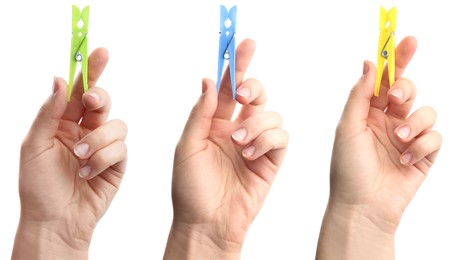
(309,55)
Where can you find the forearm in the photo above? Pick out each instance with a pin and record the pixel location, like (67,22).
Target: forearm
(348,234)
(45,241)
(187,243)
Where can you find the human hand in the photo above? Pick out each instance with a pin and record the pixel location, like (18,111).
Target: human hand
(71,166)
(381,156)
(224,168)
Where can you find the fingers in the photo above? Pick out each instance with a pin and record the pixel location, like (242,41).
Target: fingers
(114,154)
(199,122)
(252,96)
(97,61)
(404,52)
(416,124)
(423,151)
(401,98)
(48,119)
(102,148)
(263,142)
(423,142)
(226,104)
(260,134)
(97,104)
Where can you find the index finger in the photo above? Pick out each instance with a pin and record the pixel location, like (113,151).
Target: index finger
(404,53)
(226,104)
(97,61)
(97,105)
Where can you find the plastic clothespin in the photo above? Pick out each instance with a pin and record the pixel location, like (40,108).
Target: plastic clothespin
(227,45)
(386,47)
(79,46)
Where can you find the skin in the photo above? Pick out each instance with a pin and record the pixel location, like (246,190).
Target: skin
(224,167)
(381,156)
(71,166)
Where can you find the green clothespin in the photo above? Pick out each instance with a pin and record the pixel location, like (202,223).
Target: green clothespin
(79,46)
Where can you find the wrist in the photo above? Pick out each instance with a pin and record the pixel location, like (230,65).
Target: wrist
(50,240)
(189,242)
(348,233)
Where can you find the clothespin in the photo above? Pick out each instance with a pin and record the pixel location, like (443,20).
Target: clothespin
(227,45)
(386,47)
(79,46)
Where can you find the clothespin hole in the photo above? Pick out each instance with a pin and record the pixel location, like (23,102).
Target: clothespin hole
(80,24)
(226,55)
(227,33)
(78,57)
(79,34)
(387,24)
(228,23)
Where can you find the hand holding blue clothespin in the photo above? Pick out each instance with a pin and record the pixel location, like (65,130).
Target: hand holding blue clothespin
(227,45)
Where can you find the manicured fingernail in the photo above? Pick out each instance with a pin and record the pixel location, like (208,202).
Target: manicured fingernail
(85,171)
(406,158)
(94,96)
(54,86)
(366,67)
(397,92)
(239,134)
(244,92)
(248,152)
(204,86)
(403,132)
(81,150)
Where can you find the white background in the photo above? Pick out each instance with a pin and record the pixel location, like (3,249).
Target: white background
(309,55)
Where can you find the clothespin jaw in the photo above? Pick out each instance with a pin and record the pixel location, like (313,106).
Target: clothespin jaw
(79,46)
(227,45)
(386,47)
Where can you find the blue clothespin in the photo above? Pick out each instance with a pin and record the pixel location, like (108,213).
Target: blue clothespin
(227,45)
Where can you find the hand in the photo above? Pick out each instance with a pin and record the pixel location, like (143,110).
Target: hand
(223,168)
(71,166)
(381,156)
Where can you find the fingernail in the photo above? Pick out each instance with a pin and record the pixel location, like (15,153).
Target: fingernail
(397,92)
(85,171)
(406,158)
(81,150)
(239,134)
(248,152)
(244,92)
(204,86)
(94,96)
(366,67)
(54,86)
(403,132)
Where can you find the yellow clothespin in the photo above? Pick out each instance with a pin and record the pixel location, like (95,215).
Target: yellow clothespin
(79,46)
(386,47)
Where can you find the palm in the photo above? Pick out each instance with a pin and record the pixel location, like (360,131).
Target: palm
(220,177)
(371,162)
(50,184)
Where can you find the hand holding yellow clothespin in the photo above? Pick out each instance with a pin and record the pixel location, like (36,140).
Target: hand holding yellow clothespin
(79,46)
(386,47)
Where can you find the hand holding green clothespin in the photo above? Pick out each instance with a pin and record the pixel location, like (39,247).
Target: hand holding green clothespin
(79,46)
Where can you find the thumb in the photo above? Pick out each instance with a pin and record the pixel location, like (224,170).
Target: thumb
(358,104)
(46,123)
(199,122)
